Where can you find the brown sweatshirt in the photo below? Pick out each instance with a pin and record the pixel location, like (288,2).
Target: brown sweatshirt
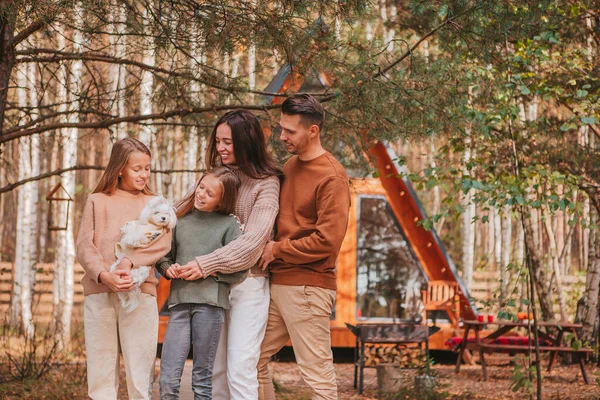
(101,222)
(313,217)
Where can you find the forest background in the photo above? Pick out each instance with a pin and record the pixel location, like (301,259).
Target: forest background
(493,107)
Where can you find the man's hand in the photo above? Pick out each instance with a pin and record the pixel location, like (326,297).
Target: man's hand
(173,271)
(117,281)
(190,271)
(267,255)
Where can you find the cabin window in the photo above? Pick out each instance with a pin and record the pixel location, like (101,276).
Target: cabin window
(388,276)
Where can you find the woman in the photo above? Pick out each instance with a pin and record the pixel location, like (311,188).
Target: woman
(238,142)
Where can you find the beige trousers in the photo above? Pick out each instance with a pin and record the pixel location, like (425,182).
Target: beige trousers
(300,313)
(107,329)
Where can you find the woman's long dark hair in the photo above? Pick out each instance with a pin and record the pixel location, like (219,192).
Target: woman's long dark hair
(249,145)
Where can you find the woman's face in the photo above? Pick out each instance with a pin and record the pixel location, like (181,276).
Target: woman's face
(209,194)
(136,173)
(224,143)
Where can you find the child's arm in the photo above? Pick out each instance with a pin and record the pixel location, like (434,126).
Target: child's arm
(152,252)
(166,266)
(232,279)
(88,254)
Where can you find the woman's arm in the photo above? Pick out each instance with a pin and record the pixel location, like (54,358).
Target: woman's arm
(244,252)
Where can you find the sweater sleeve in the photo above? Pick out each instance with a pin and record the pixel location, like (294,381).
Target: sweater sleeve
(333,204)
(165,262)
(152,252)
(88,254)
(244,252)
(238,277)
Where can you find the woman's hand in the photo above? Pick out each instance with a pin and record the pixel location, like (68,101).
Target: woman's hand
(117,281)
(190,271)
(173,271)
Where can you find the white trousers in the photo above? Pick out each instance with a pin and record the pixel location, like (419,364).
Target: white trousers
(107,328)
(235,373)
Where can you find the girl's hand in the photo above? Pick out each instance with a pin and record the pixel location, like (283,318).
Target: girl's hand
(190,271)
(173,271)
(117,281)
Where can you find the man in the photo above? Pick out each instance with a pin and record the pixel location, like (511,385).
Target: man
(312,222)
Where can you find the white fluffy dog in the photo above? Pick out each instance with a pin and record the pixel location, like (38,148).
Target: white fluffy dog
(157,215)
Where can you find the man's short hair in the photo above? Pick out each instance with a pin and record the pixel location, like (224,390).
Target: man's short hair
(310,110)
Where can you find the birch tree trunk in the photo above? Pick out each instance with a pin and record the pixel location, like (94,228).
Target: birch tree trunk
(536,267)
(554,260)
(506,227)
(25,262)
(65,246)
(118,43)
(467,225)
(147,132)
(592,283)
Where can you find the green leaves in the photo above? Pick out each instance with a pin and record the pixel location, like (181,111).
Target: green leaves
(589,120)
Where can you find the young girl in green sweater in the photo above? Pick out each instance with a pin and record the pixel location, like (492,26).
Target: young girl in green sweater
(197,304)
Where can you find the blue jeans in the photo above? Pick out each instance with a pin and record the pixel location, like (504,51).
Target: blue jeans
(199,325)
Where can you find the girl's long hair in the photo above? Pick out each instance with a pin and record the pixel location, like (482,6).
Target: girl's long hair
(231,185)
(249,145)
(119,156)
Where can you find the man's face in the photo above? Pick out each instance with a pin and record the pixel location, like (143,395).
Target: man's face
(294,134)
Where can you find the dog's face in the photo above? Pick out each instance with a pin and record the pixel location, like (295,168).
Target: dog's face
(159,212)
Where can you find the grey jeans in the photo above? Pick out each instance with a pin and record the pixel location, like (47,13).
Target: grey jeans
(198,325)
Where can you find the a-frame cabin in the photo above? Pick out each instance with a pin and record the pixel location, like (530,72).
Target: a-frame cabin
(387,258)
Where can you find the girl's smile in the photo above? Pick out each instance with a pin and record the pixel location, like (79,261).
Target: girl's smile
(208,194)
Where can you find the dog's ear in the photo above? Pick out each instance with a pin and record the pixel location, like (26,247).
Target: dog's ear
(149,208)
(172,218)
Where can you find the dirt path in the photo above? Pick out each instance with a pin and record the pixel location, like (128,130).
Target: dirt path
(564,382)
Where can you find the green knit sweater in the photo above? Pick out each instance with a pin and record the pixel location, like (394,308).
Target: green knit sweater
(199,233)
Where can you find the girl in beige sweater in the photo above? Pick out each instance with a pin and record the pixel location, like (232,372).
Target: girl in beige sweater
(119,198)
(238,141)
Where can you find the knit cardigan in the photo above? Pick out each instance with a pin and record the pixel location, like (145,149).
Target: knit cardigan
(257,207)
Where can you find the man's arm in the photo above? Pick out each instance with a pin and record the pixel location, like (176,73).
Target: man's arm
(333,204)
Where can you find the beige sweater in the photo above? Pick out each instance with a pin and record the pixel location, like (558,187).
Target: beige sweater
(103,217)
(257,207)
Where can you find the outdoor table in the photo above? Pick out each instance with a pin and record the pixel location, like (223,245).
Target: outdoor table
(548,342)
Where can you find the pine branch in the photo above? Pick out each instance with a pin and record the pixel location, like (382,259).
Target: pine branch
(25,33)
(108,122)
(14,185)
(418,43)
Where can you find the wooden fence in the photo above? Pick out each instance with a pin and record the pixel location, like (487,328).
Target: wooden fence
(485,286)
(42,298)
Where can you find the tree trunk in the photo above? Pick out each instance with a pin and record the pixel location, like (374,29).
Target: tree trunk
(537,271)
(65,246)
(118,42)
(147,132)
(467,225)
(555,263)
(7,58)
(506,228)
(592,283)
(24,272)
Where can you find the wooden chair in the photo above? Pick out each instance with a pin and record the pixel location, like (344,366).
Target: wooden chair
(442,295)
